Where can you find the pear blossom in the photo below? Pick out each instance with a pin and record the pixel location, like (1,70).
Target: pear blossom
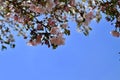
(88,17)
(57,40)
(56,2)
(54,30)
(119,19)
(31,43)
(35,41)
(64,26)
(51,23)
(39,26)
(16,18)
(78,18)
(72,2)
(37,9)
(50,5)
(32,7)
(115,33)
(38,39)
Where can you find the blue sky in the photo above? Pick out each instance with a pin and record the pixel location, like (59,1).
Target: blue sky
(94,57)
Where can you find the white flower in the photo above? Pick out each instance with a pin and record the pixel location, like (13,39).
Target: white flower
(79,18)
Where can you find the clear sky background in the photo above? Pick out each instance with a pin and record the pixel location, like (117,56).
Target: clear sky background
(94,57)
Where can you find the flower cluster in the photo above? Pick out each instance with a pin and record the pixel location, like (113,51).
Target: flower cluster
(112,10)
(46,21)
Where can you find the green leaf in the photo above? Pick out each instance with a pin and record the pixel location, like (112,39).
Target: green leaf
(54,46)
(86,33)
(12,45)
(6,42)
(67,32)
(3,47)
(63,1)
(83,0)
